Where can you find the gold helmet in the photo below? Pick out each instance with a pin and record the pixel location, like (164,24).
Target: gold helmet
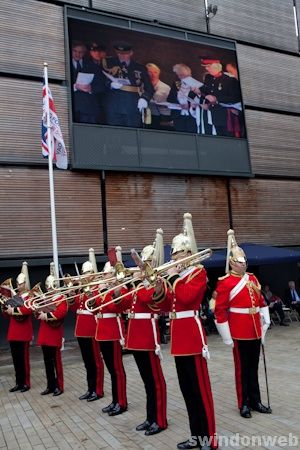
(23,276)
(185,242)
(51,281)
(87,267)
(154,253)
(92,259)
(234,252)
(108,268)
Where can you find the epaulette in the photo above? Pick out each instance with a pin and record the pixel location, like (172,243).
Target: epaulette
(224,276)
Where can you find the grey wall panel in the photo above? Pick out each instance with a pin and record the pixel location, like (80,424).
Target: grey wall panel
(269,23)
(25,230)
(269,79)
(31,32)
(21,114)
(274,141)
(75,2)
(266,211)
(188,14)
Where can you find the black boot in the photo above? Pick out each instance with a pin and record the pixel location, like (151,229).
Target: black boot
(143,426)
(192,442)
(116,410)
(259,407)
(108,408)
(47,391)
(85,396)
(92,397)
(153,429)
(245,412)
(15,388)
(24,388)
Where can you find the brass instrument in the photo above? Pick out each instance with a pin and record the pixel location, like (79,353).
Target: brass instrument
(151,274)
(9,294)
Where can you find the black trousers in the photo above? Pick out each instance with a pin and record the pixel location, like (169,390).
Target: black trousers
(112,355)
(246,354)
(278,308)
(52,366)
(18,353)
(189,386)
(151,373)
(93,364)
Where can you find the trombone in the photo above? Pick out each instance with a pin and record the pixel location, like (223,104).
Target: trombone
(151,274)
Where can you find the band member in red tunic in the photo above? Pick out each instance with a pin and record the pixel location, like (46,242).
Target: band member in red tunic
(143,340)
(85,330)
(50,338)
(188,341)
(20,333)
(242,319)
(110,335)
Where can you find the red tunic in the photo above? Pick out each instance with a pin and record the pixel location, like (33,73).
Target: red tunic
(85,320)
(108,328)
(51,331)
(187,292)
(242,325)
(20,323)
(140,333)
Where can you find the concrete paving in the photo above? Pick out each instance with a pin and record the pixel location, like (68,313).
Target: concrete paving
(31,421)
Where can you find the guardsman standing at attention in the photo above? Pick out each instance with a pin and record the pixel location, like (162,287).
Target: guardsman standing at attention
(143,339)
(188,341)
(50,336)
(20,333)
(110,335)
(242,319)
(85,330)
(129,89)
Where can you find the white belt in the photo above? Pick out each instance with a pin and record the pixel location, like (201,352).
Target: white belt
(183,314)
(85,312)
(142,316)
(253,310)
(106,315)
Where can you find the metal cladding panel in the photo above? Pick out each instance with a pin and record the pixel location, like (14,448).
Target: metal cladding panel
(21,115)
(269,79)
(139,204)
(189,14)
(269,22)
(274,141)
(266,211)
(25,227)
(75,2)
(31,33)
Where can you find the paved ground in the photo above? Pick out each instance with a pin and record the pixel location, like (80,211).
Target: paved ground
(29,421)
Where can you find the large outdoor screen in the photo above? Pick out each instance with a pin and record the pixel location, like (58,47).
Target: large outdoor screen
(151,98)
(135,79)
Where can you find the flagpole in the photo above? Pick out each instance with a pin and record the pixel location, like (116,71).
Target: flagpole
(51,179)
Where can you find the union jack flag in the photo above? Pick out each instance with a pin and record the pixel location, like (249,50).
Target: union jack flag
(60,156)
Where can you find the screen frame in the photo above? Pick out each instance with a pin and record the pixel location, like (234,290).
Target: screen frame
(166,31)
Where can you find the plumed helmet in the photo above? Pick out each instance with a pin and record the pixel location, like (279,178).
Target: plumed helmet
(87,267)
(234,252)
(108,268)
(181,243)
(23,276)
(51,282)
(119,253)
(92,259)
(154,253)
(185,241)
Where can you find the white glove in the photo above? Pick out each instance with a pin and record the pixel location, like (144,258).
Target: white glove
(115,85)
(224,331)
(265,322)
(142,104)
(9,310)
(43,316)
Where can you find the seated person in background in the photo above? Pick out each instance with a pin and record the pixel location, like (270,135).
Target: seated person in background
(160,114)
(292,298)
(275,304)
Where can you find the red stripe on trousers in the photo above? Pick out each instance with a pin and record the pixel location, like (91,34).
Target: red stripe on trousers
(120,374)
(27,363)
(238,373)
(160,390)
(99,368)
(59,369)
(207,398)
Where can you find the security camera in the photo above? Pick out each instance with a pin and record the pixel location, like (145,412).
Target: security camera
(211,11)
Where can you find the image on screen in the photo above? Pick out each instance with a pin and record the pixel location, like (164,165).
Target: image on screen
(134,79)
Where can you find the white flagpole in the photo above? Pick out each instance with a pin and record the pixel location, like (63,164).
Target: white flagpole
(51,180)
